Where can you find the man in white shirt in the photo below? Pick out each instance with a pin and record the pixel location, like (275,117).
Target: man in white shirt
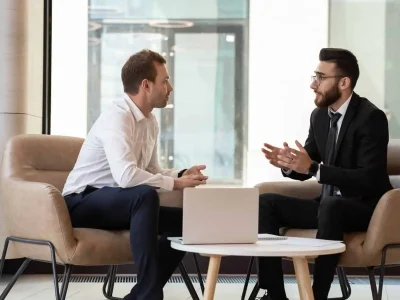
(114,183)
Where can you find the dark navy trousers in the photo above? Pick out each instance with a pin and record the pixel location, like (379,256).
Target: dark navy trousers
(138,210)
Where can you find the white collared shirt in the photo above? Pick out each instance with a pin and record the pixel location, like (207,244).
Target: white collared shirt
(120,150)
(342,110)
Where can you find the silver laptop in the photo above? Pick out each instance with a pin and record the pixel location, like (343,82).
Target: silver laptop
(220,215)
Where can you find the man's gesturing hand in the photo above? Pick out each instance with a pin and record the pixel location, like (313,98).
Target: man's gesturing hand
(296,160)
(272,152)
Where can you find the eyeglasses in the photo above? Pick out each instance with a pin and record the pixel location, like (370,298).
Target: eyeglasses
(319,78)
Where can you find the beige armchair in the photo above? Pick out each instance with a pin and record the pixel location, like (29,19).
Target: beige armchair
(378,247)
(36,219)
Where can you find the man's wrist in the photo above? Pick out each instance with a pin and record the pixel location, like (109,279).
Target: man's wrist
(181,173)
(313,169)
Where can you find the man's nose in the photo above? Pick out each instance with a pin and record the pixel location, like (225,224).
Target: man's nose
(313,85)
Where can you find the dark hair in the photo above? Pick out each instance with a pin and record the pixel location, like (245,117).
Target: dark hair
(138,67)
(345,61)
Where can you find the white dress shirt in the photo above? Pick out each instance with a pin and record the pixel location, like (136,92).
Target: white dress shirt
(120,150)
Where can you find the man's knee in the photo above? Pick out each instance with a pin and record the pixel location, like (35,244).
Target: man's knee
(267,209)
(330,218)
(148,197)
(268,202)
(330,208)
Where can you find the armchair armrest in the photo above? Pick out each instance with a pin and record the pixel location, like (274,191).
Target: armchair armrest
(384,227)
(171,198)
(301,189)
(36,210)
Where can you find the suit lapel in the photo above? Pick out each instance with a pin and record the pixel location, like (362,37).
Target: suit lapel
(323,126)
(348,117)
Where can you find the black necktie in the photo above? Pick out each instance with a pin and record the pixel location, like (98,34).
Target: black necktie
(327,190)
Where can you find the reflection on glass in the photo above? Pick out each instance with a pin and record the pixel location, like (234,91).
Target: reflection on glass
(205,134)
(205,48)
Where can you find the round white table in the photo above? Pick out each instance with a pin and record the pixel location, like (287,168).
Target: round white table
(299,254)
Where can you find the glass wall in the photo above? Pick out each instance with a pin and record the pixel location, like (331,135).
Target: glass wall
(240,70)
(392,66)
(371,29)
(205,45)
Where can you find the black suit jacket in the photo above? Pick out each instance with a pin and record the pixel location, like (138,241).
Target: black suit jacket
(360,165)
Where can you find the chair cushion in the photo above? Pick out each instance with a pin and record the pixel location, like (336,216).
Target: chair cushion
(352,257)
(101,247)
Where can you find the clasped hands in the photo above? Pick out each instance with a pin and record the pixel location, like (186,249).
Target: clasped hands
(192,177)
(288,158)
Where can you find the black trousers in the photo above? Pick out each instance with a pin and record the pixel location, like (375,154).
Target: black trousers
(332,216)
(136,209)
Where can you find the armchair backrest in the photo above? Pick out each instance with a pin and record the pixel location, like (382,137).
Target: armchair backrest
(34,170)
(41,158)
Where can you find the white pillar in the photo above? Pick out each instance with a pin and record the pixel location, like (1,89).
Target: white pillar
(21,72)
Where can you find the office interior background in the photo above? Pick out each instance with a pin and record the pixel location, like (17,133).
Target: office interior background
(240,70)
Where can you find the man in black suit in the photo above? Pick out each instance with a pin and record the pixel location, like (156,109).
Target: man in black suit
(349,135)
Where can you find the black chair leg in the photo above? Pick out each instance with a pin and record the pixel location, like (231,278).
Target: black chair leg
(254,292)
(66,279)
(105,283)
(344,284)
(108,285)
(372,282)
(112,280)
(246,282)
(14,278)
(67,273)
(188,282)
(109,281)
(377,293)
(347,285)
(343,281)
(199,275)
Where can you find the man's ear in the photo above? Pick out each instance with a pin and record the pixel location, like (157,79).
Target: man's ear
(145,85)
(345,83)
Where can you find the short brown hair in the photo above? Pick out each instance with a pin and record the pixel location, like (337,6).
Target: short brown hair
(138,67)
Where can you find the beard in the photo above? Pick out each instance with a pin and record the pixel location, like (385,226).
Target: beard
(328,98)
